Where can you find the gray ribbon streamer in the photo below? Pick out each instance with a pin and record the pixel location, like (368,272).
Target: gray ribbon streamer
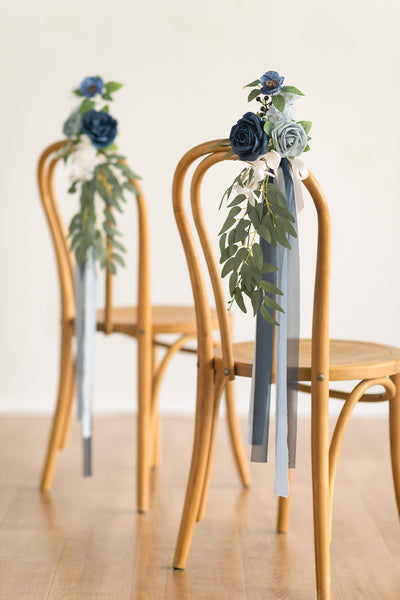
(287,349)
(85,330)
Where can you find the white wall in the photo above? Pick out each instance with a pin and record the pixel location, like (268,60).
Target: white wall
(183,64)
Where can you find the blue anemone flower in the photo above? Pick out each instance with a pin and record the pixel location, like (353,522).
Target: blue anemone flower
(271,83)
(91,86)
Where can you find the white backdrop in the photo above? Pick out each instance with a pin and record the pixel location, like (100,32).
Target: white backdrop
(183,64)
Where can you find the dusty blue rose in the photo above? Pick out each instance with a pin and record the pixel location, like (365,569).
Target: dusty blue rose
(72,125)
(91,86)
(248,138)
(271,83)
(289,138)
(100,127)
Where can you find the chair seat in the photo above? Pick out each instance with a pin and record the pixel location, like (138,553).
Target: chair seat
(349,360)
(165,319)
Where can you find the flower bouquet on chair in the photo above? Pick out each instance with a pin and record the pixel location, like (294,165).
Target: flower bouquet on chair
(259,252)
(101,176)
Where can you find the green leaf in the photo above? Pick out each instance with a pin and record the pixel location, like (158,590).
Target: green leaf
(78,92)
(112,268)
(110,231)
(107,97)
(255,301)
(111,148)
(270,288)
(73,187)
(267,268)
(112,86)
(118,259)
(239,300)
(267,315)
(282,239)
(222,243)
(129,174)
(253,94)
(228,267)
(86,105)
(109,216)
(272,304)
(307,148)
(268,127)
(306,125)
(116,244)
(105,109)
(131,187)
(290,89)
(264,233)
(258,256)
(242,230)
(252,84)
(237,200)
(232,282)
(230,220)
(279,102)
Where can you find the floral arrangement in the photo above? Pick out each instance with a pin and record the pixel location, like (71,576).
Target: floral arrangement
(257,205)
(96,171)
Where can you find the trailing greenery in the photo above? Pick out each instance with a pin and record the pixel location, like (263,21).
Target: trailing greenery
(96,171)
(241,254)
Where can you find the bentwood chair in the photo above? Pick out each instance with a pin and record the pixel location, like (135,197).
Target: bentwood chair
(143,322)
(321,361)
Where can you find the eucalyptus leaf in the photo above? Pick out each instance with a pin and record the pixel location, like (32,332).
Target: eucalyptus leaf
(306,125)
(252,84)
(239,300)
(279,102)
(268,127)
(112,86)
(253,94)
(267,315)
(290,89)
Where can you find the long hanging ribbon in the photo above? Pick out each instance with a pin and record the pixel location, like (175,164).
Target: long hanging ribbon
(287,349)
(85,330)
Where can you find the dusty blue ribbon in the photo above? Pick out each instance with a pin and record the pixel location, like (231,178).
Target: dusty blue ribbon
(85,330)
(287,352)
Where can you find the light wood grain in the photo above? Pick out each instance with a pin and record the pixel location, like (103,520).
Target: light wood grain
(84,540)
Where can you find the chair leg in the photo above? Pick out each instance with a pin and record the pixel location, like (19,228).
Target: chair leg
(155,416)
(235,435)
(218,389)
(71,394)
(198,467)
(63,406)
(284,508)
(394,431)
(320,481)
(144,447)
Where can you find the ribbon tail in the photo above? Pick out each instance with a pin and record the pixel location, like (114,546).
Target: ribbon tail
(260,400)
(86,318)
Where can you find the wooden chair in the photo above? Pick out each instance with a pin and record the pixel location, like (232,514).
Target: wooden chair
(143,322)
(321,361)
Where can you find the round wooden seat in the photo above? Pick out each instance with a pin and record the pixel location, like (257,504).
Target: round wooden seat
(165,319)
(349,360)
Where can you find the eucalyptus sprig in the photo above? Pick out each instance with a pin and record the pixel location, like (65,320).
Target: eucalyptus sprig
(96,170)
(241,254)
(258,208)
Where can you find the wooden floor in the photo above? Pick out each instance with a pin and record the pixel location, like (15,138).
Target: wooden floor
(84,540)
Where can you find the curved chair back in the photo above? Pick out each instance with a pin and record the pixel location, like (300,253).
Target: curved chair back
(66,260)
(320,329)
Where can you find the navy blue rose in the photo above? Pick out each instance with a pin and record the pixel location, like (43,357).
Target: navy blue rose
(248,138)
(100,127)
(91,86)
(271,83)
